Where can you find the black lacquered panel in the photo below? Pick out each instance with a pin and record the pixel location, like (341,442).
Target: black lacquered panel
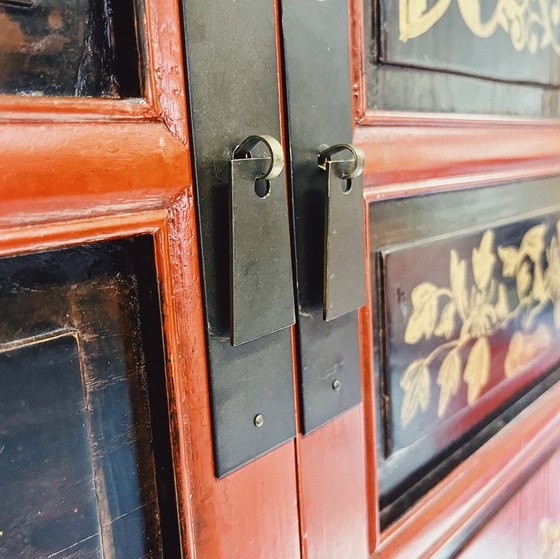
(82,48)
(46,471)
(85,469)
(467,56)
(466,327)
(503,39)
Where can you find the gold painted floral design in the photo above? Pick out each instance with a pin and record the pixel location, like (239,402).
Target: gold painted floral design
(475,306)
(531,24)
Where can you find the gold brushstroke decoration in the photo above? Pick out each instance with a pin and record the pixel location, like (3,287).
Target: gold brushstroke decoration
(549,539)
(531,24)
(473,308)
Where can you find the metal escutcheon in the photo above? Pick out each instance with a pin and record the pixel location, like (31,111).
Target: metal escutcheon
(344,285)
(262,297)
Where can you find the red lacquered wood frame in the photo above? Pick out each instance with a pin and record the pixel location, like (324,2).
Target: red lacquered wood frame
(76,171)
(409,154)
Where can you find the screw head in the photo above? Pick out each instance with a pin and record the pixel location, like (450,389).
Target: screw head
(336,384)
(259,420)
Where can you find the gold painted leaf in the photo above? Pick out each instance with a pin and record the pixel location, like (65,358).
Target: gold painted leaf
(415,18)
(533,242)
(477,369)
(483,260)
(416,385)
(423,319)
(510,258)
(449,378)
(502,307)
(539,291)
(446,324)
(472,16)
(458,277)
(416,8)
(552,273)
(523,280)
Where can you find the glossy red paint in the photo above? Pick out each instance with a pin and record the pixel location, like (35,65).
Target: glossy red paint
(65,171)
(333,500)
(403,159)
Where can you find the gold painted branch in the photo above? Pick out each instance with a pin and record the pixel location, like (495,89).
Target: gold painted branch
(474,310)
(531,24)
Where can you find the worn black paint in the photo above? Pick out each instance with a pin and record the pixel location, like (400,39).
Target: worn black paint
(46,472)
(440,72)
(95,383)
(82,48)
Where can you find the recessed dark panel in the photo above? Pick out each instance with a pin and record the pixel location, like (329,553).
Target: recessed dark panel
(87,468)
(473,37)
(469,320)
(451,378)
(70,48)
(46,471)
(463,56)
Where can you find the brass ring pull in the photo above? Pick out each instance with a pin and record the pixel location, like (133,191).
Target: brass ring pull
(243,151)
(357,154)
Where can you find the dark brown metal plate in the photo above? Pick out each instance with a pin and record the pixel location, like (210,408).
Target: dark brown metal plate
(344,283)
(319,114)
(233,90)
(262,296)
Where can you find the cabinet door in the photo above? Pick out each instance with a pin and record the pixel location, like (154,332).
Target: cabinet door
(457,148)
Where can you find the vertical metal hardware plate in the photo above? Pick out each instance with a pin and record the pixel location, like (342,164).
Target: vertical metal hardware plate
(344,281)
(319,98)
(262,296)
(233,93)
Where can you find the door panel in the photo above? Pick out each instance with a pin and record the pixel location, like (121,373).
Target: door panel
(445,368)
(424,122)
(271,456)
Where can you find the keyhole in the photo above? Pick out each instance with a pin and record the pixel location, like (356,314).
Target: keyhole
(346,185)
(262,188)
